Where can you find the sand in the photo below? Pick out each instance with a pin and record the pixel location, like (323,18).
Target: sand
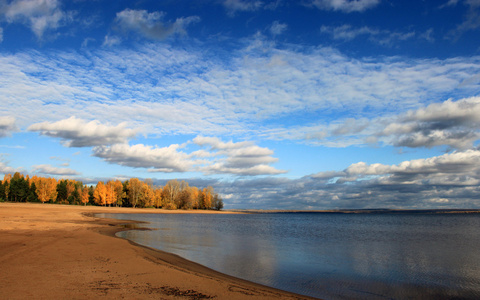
(63,252)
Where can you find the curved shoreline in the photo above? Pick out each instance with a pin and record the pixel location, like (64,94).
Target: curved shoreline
(56,251)
(181,263)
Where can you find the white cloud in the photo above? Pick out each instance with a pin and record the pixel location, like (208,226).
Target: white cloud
(40,15)
(278,28)
(6,169)
(452,123)
(455,124)
(151,25)
(346,32)
(449,3)
(166,159)
(458,168)
(383,37)
(110,41)
(7,125)
(233,6)
(471,19)
(346,6)
(80,133)
(166,90)
(241,158)
(51,170)
(446,181)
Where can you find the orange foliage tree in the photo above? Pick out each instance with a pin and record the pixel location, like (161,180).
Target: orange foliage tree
(85,196)
(46,188)
(134,192)
(100,194)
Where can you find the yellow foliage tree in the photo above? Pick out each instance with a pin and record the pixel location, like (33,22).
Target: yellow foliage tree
(120,194)
(85,196)
(46,188)
(100,194)
(158,199)
(134,191)
(148,195)
(6,183)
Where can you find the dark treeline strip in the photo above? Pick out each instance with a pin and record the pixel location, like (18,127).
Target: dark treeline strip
(130,193)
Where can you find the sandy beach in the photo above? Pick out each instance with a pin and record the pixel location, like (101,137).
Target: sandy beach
(63,252)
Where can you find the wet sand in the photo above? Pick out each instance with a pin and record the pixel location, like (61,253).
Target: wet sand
(52,251)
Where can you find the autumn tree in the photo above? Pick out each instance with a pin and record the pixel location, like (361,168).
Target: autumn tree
(206,198)
(85,196)
(158,199)
(134,191)
(147,195)
(109,193)
(172,189)
(119,193)
(100,194)
(6,184)
(46,188)
(194,194)
(72,191)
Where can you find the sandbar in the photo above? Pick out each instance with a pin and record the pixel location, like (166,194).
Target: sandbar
(50,251)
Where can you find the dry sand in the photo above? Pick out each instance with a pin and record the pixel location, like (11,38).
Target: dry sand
(62,252)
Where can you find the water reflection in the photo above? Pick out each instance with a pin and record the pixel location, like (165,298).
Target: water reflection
(330,256)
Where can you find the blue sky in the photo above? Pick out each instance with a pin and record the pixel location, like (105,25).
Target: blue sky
(313,104)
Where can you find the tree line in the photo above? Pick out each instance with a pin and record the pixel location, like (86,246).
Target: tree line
(130,193)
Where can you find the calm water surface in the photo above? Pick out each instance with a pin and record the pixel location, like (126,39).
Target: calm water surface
(330,256)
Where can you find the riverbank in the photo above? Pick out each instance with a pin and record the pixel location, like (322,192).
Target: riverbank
(63,252)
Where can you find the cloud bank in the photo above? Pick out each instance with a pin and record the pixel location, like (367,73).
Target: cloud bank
(445,181)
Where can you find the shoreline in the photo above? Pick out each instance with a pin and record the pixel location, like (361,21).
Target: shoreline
(62,251)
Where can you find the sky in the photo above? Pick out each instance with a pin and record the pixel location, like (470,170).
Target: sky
(309,104)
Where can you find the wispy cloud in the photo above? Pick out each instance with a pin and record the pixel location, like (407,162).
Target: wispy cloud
(234,6)
(151,25)
(80,133)
(5,168)
(111,40)
(165,90)
(278,28)
(455,124)
(51,170)
(382,37)
(471,19)
(346,6)
(40,15)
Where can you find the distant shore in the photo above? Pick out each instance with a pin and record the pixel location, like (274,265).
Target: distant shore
(52,251)
(364,211)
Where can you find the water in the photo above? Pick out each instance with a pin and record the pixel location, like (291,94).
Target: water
(330,256)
